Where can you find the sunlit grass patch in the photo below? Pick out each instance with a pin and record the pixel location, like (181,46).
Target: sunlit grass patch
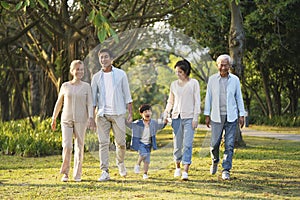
(264,169)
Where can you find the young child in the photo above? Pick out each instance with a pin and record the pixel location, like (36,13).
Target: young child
(144,137)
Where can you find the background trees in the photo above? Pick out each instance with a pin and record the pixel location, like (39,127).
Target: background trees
(269,72)
(38,40)
(272,56)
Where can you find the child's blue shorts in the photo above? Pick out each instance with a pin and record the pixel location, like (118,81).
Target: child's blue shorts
(144,151)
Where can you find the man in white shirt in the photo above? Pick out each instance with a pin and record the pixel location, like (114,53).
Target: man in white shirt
(224,109)
(111,94)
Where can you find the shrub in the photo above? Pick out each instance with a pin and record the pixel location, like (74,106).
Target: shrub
(18,138)
(284,121)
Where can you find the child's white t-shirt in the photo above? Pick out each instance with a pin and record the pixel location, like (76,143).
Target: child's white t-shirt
(146,136)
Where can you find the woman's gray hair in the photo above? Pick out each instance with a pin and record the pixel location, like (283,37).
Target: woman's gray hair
(224,57)
(74,63)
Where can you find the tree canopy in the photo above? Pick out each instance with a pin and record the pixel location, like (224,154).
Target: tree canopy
(39,38)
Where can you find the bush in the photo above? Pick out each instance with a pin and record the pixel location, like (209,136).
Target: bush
(284,121)
(19,138)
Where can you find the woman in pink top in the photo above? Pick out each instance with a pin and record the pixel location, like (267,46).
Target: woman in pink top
(76,99)
(184,102)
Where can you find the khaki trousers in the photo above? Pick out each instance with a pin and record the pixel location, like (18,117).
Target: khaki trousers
(68,129)
(104,125)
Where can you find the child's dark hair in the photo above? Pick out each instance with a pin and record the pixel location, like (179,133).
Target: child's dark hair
(184,65)
(144,107)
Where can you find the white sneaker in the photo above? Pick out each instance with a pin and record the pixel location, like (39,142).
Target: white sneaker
(137,169)
(77,179)
(145,176)
(177,172)
(225,175)
(184,176)
(122,169)
(65,178)
(104,176)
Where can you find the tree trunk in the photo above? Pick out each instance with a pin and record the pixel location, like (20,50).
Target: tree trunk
(35,89)
(48,97)
(265,79)
(277,100)
(4,99)
(236,39)
(4,96)
(236,50)
(294,101)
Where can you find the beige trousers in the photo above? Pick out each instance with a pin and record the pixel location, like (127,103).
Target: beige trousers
(68,129)
(104,125)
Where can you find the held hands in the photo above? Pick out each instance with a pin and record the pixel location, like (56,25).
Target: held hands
(91,124)
(165,117)
(165,120)
(129,118)
(129,107)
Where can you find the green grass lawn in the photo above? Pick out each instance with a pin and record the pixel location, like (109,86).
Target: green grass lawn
(265,169)
(285,130)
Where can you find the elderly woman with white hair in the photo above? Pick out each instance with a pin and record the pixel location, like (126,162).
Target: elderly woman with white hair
(76,99)
(224,109)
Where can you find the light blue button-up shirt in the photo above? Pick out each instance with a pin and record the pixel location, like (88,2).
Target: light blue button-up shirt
(235,104)
(121,91)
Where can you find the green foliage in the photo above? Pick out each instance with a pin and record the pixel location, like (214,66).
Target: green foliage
(271,51)
(5,5)
(281,121)
(18,138)
(149,78)
(12,6)
(91,141)
(207,22)
(43,3)
(271,56)
(202,119)
(272,47)
(104,29)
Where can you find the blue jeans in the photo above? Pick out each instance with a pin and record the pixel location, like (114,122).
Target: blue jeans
(183,140)
(229,137)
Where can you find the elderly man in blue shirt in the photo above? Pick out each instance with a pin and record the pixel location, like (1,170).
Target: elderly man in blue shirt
(224,109)
(111,94)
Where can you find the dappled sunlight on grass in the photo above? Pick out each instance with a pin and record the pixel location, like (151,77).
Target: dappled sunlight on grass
(264,169)
(285,130)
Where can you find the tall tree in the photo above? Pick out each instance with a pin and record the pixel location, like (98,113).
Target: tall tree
(272,55)
(271,74)
(236,49)
(49,34)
